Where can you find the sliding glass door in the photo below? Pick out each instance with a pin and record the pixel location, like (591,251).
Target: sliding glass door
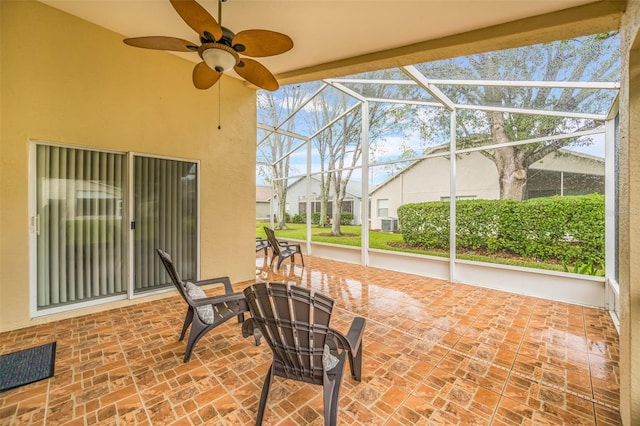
(165,216)
(80,237)
(82,219)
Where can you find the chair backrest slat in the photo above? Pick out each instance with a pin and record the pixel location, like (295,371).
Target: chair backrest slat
(173,274)
(273,241)
(294,321)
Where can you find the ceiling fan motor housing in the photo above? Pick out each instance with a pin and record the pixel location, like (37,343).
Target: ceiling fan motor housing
(218,56)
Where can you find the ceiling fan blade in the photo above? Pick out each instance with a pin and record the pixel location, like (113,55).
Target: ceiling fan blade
(197,18)
(204,77)
(259,43)
(162,43)
(256,73)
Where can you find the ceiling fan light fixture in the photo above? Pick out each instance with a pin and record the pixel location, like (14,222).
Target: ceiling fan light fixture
(219,57)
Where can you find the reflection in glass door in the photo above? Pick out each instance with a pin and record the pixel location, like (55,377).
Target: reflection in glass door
(165,216)
(80,240)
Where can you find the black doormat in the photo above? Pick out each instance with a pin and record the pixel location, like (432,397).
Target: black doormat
(27,366)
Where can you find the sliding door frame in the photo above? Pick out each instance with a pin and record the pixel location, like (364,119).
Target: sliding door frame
(131,215)
(128,215)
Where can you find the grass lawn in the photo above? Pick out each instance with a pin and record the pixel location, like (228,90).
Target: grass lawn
(380,240)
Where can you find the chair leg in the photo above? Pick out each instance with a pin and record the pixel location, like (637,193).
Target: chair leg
(330,394)
(355,364)
(196,333)
(264,396)
(187,322)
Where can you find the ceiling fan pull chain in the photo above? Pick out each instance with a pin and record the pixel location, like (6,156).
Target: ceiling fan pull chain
(219,103)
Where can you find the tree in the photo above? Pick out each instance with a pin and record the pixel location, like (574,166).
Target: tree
(592,58)
(273,108)
(339,147)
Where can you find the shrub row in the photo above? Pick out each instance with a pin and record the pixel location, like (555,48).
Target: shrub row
(346,218)
(567,229)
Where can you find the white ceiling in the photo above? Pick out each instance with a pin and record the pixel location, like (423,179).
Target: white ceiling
(322,30)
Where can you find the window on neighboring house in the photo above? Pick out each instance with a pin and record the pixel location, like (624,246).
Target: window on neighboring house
(459,197)
(383,208)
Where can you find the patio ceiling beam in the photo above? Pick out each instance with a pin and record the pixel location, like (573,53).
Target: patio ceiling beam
(304,175)
(305,138)
(332,122)
(294,112)
(273,130)
(348,91)
(614,108)
(594,17)
(413,73)
(603,85)
(372,81)
(406,101)
(534,112)
(302,105)
(534,140)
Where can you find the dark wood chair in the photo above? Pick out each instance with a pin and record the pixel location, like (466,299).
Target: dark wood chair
(295,323)
(204,313)
(262,244)
(281,249)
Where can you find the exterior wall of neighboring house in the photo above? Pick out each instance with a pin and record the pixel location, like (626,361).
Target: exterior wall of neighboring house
(85,88)
(297,193)
(263,201)
(477,178)
(428,180)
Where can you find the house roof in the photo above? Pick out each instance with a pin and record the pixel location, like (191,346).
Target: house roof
(537,165)
(333,38)
(263,193)
(354,188)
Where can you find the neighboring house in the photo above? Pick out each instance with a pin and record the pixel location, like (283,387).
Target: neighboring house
(77,199)
(263,201)
(561,173)
(297,198)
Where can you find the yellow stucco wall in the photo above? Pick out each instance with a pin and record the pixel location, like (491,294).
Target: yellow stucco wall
(70,82)
(629,217)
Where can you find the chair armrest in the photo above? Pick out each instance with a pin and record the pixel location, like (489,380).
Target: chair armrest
(250,328)
(218,299)
(352,340)
(354,335)
(288,246)
(228,289)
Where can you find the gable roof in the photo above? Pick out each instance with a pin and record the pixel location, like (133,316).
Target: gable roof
(263,193)
(354,188)
(435,149)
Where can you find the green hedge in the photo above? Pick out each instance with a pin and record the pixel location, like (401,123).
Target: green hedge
(566,229)
(346,218)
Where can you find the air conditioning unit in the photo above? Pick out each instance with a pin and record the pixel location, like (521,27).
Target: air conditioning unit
(390,224)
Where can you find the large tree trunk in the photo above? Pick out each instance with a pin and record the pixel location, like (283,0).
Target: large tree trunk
(324,201)
(510,162)
(512,174)
(335,217)
(338,196)
(280,188)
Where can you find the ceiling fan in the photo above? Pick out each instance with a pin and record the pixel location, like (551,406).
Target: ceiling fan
(220,48)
